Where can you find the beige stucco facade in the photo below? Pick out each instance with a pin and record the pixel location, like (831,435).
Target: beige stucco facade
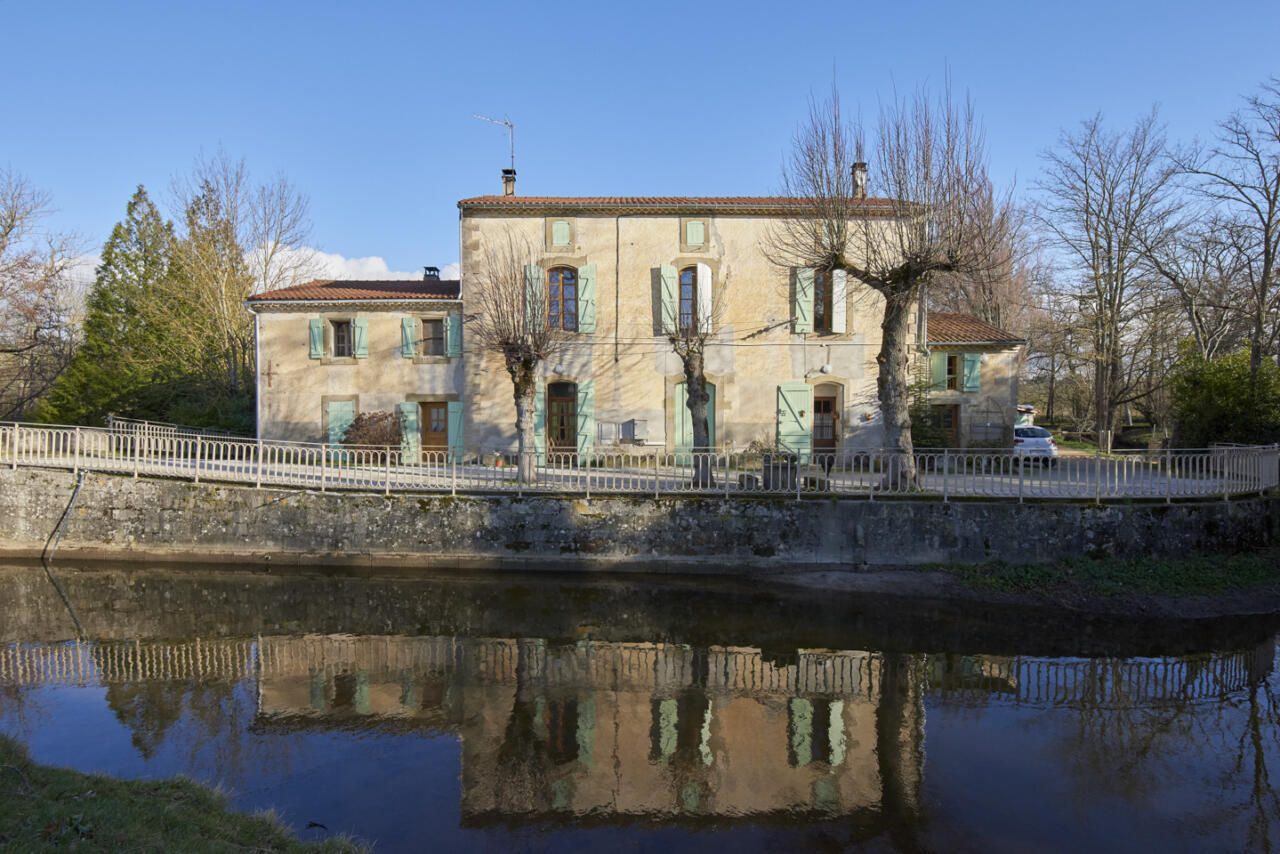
(985,416)
(630,363)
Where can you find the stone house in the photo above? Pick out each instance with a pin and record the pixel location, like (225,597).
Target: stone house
(973,378)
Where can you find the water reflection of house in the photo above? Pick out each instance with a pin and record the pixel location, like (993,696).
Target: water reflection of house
(619,730)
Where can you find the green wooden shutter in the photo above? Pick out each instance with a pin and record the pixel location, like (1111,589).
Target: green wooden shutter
(669,290)
(340,413)
(408,337)
(361,346)
(586,417)
(453,411)
(795,418)
(695,233)
(317,338)
(706,303)
(938,371)
(971,377)
(453,336)
(587,299)
(560,232)
(540,422)
(802,305)
(410,430)
(839,301)
(535,297)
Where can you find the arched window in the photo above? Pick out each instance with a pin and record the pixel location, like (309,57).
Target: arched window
(562,298)
(689,298)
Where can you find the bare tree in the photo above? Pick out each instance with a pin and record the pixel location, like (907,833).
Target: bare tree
(936,214)
(36,296)
(696,309)
(1240,173)
(1104,195)
(509,317)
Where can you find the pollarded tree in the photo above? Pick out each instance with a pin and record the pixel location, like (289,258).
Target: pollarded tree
(505,294)
(691,311)
(923,208)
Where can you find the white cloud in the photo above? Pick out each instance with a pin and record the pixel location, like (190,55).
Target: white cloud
(333,266)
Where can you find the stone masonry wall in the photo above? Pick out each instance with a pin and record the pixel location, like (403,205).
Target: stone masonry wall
(121,518)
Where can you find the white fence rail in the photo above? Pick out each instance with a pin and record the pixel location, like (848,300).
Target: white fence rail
(1215,472)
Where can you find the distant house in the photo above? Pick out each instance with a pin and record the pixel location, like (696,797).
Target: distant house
(973,378)
(329,350)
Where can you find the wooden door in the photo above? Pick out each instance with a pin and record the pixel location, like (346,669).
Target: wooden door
(435,427)
(562,418)
(825,425)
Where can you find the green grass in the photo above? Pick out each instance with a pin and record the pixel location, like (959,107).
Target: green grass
(1197,576)
(44,809)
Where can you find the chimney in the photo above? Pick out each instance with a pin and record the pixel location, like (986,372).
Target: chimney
(508,182)
(430,274)
(860,180)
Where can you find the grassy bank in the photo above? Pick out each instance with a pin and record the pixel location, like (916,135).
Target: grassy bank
(54,809)
(1196,576)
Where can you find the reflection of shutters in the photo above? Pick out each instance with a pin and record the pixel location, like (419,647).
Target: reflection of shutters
(839,298)
(540,422)
(668,288)
(586,732)
(705,303)
(802,305)
(410,430)
(587,299)
(454,409)
(795,418)
(453,336)
(408,337)
(317,338)
(586,416)
(535,298)
(938,371)
(972,372)
(801,713)
(360,348)
(340,414)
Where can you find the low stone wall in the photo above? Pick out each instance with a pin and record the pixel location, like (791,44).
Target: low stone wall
(122,518)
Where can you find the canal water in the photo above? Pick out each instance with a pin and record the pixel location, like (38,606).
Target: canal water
(549,713)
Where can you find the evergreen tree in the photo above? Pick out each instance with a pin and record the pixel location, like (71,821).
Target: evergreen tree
(117,368)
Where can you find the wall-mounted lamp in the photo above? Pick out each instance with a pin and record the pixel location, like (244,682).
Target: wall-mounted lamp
(826,369)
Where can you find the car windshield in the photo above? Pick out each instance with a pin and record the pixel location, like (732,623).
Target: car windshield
(1032,433)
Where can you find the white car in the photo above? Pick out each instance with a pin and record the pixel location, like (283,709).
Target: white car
(1034,445)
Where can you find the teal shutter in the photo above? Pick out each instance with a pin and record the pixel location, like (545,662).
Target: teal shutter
(317,338)
(453,336)
(971,378)
(535,297)
(560,233)
(410,430)
(695,233)
(938,371)
(795,418)
(408,337)
(361,344)
(540,422)
(340,413)
(802,306)
(669,289)
(706,300)
(586,417)
(839,301)
(453,410)
(587,299)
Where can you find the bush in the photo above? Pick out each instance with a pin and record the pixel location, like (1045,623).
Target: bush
(1219,400)
(374,428)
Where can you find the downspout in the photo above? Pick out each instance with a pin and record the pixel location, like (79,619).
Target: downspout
(617,284)
(257,374)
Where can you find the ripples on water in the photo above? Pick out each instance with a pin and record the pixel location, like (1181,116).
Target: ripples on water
(556,714)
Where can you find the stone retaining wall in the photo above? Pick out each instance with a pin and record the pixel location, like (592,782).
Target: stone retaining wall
(118,517)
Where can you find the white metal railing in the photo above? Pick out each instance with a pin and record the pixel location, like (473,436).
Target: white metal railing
(1215,472)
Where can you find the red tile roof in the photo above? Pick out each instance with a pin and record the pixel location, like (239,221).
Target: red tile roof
(949,327)
(698,203)
(351,289)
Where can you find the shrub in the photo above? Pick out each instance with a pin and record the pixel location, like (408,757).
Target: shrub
(374,428)
(1219,400)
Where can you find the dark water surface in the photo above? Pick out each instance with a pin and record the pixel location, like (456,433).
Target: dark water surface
(567,714)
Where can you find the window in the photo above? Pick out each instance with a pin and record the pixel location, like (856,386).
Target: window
(433,337)
(822,301)
(689,298)
(342,339)
(953,371)
(562,298)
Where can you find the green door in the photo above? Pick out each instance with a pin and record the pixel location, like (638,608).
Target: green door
(340,413)
(795,419)
(684,421)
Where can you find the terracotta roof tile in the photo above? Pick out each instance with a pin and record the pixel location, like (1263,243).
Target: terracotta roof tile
(352,289)
(948,327)
(659,202)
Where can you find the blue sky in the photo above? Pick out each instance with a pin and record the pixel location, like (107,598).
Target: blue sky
(368,107)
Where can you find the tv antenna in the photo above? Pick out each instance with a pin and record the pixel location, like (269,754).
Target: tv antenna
(505,121)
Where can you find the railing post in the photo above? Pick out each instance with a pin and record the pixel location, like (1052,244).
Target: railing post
(946,464)
(75,465)
(324,459)
(1022,467)
(453,486)
(257,468)
(16,428)
(588,478)
(199,448)
(1097,476)
(871,476)
(726,476)
(655,475)
(386,480)
(1168,476)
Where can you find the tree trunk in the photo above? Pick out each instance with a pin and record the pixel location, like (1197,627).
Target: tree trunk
(524,390)
(893,383)
(696,386)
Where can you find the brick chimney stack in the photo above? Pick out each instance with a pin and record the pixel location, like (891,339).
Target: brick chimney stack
(860,180)
(508,182)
